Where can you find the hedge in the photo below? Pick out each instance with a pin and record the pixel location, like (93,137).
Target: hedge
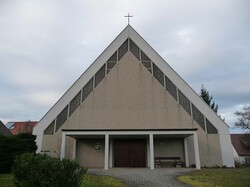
(12,146)
(45,171)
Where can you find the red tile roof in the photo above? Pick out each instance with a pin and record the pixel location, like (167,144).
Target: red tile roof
(241,144)
(22,127)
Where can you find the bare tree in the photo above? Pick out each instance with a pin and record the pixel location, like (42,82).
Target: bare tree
(243,118)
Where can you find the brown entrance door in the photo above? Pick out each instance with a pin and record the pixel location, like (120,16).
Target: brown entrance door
(129,153)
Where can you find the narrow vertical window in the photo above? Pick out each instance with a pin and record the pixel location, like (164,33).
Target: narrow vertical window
(134,49)
(99,76)
(184,102)
(74,103)
(87,89)
(198,117)
(111,62)
(123,50)
(171,88)
(210,128)
(50,129)
(61,118)
(158,74)
(146,61)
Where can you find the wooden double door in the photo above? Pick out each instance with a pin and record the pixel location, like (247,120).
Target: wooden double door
(129,153)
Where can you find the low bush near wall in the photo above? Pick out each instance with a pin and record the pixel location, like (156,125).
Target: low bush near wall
(45,171)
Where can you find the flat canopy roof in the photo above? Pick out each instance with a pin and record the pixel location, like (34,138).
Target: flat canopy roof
(76,133)
(113,130)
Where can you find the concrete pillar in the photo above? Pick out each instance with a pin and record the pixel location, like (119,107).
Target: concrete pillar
(63,146)
(148,154)
(74,149)
(110,153)
(196,152)
(106,154)
(151,150)
(186,152)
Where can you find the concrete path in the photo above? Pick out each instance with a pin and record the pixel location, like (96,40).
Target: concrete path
(133,177)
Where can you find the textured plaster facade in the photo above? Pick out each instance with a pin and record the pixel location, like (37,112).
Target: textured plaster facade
(87,155)
(129,97)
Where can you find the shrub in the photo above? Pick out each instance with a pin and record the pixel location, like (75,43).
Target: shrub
(45,171)
(12,146)
(237,164)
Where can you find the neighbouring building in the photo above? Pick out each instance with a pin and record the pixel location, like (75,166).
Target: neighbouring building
(21,127)
(131,109)
(241,148)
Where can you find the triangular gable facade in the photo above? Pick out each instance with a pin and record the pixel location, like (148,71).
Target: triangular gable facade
(130,90)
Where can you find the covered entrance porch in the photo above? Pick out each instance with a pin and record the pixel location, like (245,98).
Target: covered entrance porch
(132,148)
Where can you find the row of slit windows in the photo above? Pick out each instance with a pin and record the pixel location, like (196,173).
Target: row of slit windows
(172,89)
(152,68)
(183,101)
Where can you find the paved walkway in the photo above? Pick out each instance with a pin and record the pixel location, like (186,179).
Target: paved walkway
(133,177)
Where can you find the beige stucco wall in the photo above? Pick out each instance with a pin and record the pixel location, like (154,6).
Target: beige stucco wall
(169,148)
(52,145)
(87,156)
(49,146)
(209,148)
(214,150)
(190,152)
(129,97)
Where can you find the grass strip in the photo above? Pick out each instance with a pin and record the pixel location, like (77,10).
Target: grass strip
(101,181)
(6,180)
(218,177)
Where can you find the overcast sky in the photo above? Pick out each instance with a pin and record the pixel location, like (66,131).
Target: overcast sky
(45,45)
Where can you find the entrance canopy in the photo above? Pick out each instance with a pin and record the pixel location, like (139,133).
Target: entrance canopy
(149,134)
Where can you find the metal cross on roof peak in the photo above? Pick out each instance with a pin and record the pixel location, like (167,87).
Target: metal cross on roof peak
(128,16)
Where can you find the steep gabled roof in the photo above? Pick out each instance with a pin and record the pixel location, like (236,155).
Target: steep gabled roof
(129,39)
(4,130)
(241,144)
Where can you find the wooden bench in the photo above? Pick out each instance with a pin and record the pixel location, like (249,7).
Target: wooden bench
(168,161)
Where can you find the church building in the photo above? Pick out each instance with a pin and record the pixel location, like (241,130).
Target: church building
(131,109)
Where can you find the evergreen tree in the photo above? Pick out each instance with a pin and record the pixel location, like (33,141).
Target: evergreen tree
(204,94)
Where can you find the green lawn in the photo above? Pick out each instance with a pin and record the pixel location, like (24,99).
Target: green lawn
(101,181)
(203,178)
(218,177)
(6,180)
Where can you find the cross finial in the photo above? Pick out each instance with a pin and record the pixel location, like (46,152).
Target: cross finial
(128,16)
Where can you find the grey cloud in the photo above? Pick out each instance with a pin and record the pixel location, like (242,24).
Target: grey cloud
(46,45)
